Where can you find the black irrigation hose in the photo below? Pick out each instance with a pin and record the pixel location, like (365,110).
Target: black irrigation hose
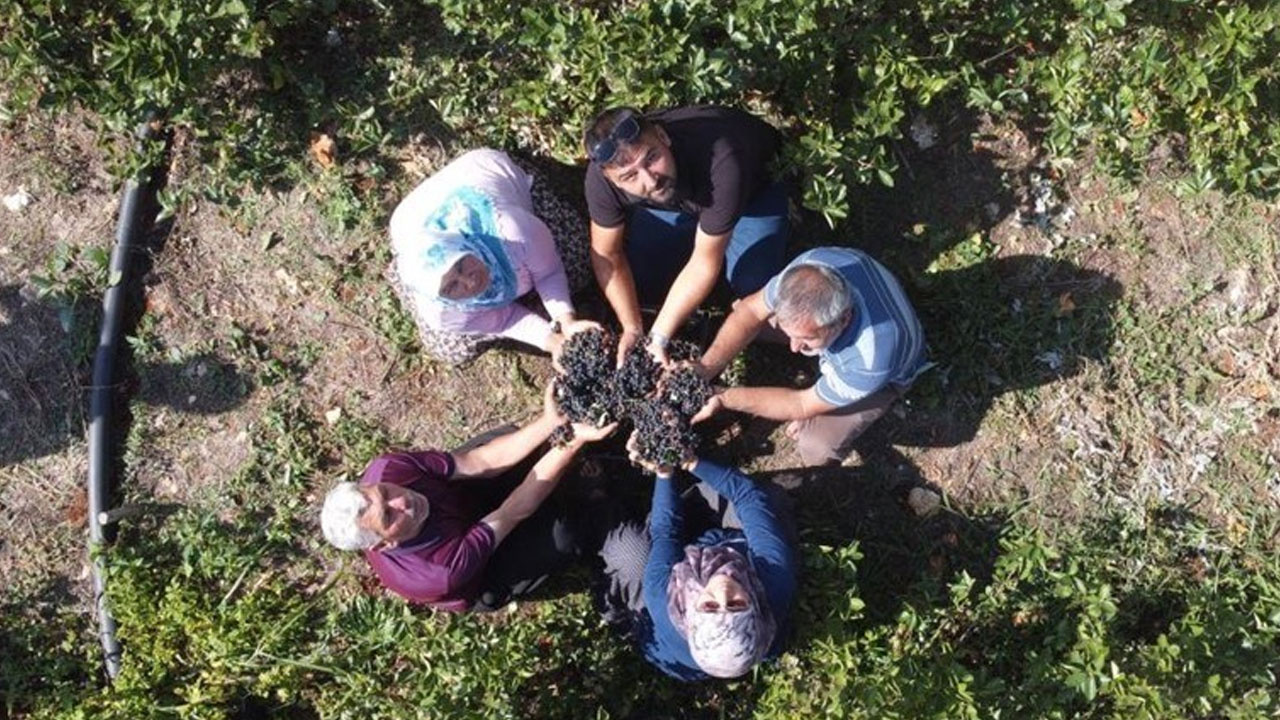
(133,224)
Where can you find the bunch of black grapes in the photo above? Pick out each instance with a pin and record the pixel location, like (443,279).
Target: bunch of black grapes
(683,351)
(684,390)
(663,437)
(638,377)
(658,402)
(584,388)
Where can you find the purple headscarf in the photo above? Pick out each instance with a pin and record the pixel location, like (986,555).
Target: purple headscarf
(724,644)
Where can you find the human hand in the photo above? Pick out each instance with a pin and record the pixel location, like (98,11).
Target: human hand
(568,327)
(633,453)
(550,408)
(630,336)
(714,404)
(705,372)
(584,433)
(658,351)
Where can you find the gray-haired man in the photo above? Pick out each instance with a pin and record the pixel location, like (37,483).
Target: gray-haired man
(845,308)
(433,524)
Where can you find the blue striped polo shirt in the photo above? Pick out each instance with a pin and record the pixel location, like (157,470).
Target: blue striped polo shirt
(883,345)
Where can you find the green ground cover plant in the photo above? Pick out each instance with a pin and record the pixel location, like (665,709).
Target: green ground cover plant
(844,79)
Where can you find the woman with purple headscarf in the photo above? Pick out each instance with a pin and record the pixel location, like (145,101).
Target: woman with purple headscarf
(718,602)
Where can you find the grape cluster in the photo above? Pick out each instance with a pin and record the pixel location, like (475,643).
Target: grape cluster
(685,390)
(562,435)
(584,390)
(659,403)
(683,351)
(663,437)
(639,374)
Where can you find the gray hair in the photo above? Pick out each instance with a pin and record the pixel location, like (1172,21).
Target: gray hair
(340,518)
(814,291)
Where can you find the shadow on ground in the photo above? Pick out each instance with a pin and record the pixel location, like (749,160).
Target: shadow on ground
(38,662)
(43,374)
(47,348)
(994,322)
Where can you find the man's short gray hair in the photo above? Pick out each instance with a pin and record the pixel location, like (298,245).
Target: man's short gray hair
(340,518)
(814,291)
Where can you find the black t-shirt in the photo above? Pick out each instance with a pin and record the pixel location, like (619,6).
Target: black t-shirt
(722,160)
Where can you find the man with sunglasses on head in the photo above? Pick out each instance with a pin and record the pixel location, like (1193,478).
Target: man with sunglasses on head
(677,197)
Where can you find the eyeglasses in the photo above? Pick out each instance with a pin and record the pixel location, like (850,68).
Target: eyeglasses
(624,131)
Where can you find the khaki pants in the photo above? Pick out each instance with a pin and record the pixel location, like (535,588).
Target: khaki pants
(828,438)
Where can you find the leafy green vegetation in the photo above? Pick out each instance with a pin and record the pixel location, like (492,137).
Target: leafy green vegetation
(1153,593)
(843,78)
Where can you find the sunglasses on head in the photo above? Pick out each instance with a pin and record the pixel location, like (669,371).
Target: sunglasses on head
(624,131)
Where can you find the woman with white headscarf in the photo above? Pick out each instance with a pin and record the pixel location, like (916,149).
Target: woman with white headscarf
(467,246)
(716,606)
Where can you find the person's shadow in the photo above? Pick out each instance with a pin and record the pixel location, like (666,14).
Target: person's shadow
(1004,325)
(994,323)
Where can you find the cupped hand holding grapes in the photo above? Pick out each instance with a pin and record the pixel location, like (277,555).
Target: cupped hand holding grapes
(629,337)
(633,452)
(584,433)
(713,405)
(568,327)
(551,409)
(658,351)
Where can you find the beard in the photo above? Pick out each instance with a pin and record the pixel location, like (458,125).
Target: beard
(665,189)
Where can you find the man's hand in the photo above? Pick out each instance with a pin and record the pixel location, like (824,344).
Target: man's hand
(570,326)
(550,409)
(658,350)
(630,336)
(714,404)
(704,372)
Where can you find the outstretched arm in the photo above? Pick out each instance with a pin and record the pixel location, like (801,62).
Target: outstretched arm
(613,272)
(665,548)
(540,482)
(775,403)
(500,453)
(693,284)
(764,526)
(739,329)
